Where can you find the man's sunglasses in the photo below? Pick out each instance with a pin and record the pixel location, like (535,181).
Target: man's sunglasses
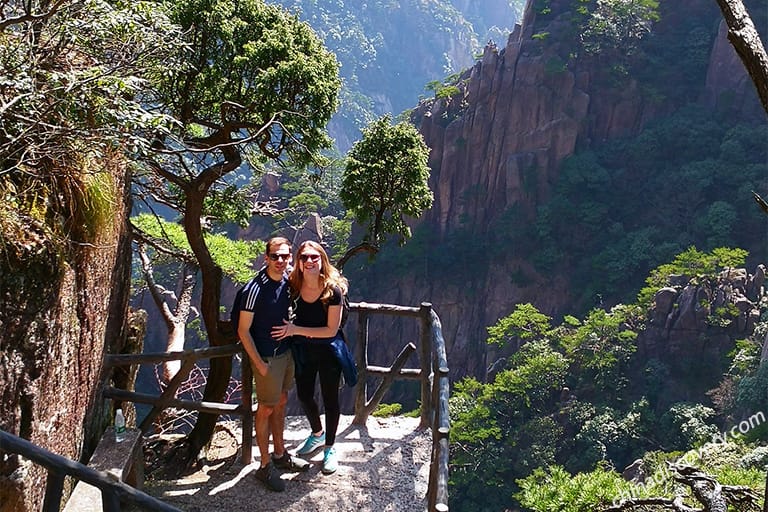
(275,256)
(309,257)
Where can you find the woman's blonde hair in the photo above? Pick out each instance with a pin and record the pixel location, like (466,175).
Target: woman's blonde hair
(329,275)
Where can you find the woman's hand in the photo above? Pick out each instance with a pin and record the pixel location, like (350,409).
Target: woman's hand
(280,332)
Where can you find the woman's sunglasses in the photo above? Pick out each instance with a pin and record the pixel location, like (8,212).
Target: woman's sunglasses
(309,257)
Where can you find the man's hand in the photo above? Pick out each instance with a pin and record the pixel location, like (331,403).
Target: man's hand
(260,366)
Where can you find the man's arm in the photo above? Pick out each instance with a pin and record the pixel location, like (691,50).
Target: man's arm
(244,333)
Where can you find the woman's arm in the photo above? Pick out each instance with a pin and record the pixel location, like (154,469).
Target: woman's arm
(289,329)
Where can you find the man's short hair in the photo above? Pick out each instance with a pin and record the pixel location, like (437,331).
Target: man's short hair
(276,240)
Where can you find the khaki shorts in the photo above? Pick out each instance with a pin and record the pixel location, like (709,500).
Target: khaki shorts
(269,388)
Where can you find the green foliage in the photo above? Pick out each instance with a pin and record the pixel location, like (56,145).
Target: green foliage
(387,410)
(73,100)
(95,203)
(692,264)
(171,233)
(685,425)
(415,413)
(752,390)
(600,349)
(472,419)
(537,372)
(755,459)
(305,203)
(447,92)
(554,488)
(525,323)
(656,374)
(542,6)
(745,357)
(719,221)
(235,257)
(445,88)
(336,233)
(385,179)
(561,415)
(621,209)
(619,24)
(229,204)
(260,62)
(492,422)
(546,490)
(70,115)
(603,433)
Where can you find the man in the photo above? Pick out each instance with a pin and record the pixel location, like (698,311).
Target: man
(264,305)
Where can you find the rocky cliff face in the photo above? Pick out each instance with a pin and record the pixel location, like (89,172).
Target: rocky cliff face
(498,144)
(727,84)
(698,320)
(59,312)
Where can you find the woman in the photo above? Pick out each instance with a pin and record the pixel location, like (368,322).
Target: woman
(318,290)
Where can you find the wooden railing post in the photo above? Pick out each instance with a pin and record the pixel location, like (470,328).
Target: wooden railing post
(426,364)
(54,488)
(437,492)
(247,408)
(110,502)
(168,394)
(361,396)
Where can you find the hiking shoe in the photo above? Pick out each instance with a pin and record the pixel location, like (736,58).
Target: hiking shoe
(290,463)
(312,443)
(330,464)
(270,476)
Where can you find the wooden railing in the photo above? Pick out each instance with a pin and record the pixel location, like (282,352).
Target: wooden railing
(112,492)
(432,374)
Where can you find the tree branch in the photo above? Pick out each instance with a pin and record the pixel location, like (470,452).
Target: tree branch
(362,247)
(746,41)
(707,490)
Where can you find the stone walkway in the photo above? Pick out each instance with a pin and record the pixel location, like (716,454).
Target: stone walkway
(383,466)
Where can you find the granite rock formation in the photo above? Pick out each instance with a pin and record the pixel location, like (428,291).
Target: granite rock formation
(60,311)
(498,144)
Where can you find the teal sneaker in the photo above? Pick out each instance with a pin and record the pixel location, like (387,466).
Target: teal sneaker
(312,443)
(330,463)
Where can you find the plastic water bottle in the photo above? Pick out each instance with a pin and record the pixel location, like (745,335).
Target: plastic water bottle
(119,426)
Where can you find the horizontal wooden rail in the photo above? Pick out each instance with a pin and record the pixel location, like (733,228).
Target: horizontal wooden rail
(58,467)
(405,373)
(390,309)
(198,353)
(144,398)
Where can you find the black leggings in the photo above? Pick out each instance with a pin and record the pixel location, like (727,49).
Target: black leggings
(319,359)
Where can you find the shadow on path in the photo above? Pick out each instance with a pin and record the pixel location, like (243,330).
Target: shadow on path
(383,466)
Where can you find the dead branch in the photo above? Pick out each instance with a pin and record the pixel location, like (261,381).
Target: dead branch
(714,496)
